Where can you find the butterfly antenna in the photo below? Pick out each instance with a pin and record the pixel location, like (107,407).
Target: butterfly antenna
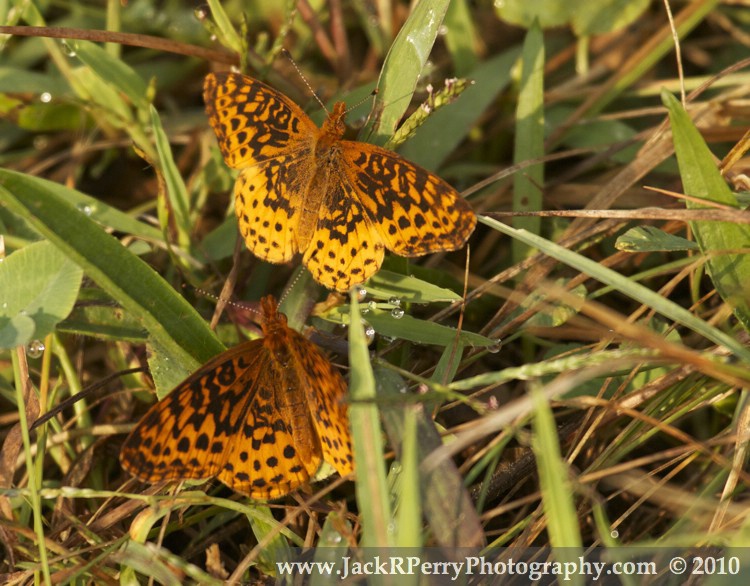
(218,298)
(373,93)
(304,79)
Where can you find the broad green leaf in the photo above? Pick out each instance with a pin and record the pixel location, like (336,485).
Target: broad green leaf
(387,284)
(37,283)
(91,207)
(104,321)
(171,321)
(415,330)
(522,13)
(402,68)
(587,18)
(444,130)
(724,244)
(604,16)
(529,142)
(651,239)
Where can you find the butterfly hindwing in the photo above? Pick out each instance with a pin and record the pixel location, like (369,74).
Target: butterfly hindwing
(344,249)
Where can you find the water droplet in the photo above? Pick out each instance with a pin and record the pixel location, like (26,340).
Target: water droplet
(397,313)
(372,305)
(68,47)
(35,349)
(494,348)
(361,293)
(85,208)
(335,538)
(213,38)
(45,97)
(202,12)
(369,332)
(394,301)
(442,30)
(615,533)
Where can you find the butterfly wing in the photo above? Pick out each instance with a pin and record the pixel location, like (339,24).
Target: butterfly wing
(277,447)
(345,248)
(252,121)
(326,400)
(268,203)
(187,434)
(414,211)
(241,418)
(272,141)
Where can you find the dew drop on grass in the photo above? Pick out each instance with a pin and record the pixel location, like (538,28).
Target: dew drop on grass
(397,313)
(369,331)
(494,348)
(35,349)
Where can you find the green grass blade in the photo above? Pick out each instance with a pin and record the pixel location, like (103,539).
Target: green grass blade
(372,490)
(114,72)
(409,505)
(623,285)
(176,192)
(555,485)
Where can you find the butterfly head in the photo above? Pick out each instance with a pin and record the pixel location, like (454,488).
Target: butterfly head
(272,320)
(335,127)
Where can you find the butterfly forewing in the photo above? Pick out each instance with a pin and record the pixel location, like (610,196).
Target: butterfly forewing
(252,121)
(186,435)
(414,211)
